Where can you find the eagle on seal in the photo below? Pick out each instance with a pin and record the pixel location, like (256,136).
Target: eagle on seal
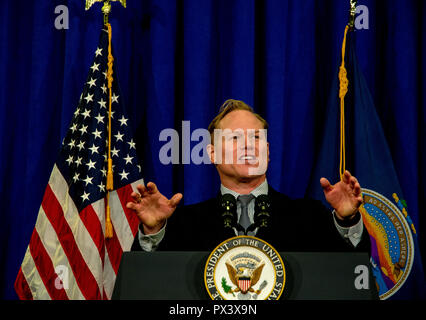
(243,280)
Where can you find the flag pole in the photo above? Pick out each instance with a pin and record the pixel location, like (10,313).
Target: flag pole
(106,9)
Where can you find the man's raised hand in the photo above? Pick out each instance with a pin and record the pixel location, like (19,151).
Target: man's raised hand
(345,196)
(151,207)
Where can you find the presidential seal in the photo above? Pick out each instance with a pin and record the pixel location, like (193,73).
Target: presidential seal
(392,249)
(244,268)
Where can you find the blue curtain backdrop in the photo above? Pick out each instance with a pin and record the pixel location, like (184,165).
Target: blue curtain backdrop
(179,60)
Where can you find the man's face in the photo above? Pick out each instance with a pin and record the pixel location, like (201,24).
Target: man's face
(241,151)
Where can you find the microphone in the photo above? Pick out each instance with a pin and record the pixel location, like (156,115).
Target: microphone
(262,210)
(228,205)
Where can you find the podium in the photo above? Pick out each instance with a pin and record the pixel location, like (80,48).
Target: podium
(179,275)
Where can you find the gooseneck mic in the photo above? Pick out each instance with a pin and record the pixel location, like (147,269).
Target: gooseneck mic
(262,211)
(228,205)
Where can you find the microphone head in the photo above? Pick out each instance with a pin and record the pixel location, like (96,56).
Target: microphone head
(262,210)
(228,205)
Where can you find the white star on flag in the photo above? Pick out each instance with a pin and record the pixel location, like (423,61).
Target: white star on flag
(123,121)
(85,196)
(90,165)
(114,152)
(114,98)
(102,103)
(88,180)
(128,159)
(89,98)
(132,144)
(98,52)
(100,118)
(119,136)
(94,149)
(86,114)
(97,133)
(95,67)
(123,175)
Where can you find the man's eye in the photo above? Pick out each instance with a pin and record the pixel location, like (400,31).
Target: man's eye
(255,137)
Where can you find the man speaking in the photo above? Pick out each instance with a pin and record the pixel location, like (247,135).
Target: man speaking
(246,203)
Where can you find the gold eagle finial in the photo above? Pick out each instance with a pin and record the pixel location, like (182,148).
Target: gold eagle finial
(89,3)
(106,8)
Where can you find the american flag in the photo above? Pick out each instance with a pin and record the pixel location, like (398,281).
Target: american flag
(68,256)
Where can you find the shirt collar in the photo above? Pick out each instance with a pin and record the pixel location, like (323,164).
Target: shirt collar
(261,189)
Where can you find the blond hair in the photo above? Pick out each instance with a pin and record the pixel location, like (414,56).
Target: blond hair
(229,106)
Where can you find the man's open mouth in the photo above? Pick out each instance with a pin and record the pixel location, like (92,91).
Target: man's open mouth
(249,158)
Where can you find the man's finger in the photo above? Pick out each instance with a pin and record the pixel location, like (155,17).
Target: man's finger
(131,205)
(141,189)
(174,201)
(326,185)
(135,196)
(357,189)
(151,187)
(346,176)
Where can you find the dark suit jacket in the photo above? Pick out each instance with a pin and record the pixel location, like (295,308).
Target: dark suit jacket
(295,225)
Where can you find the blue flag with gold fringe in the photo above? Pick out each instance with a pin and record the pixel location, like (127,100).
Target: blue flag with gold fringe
(362,148)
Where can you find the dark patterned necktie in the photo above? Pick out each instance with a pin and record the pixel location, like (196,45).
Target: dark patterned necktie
(244,218)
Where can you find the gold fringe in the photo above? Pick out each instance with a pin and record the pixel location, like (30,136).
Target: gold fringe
(344,82)
(110,182)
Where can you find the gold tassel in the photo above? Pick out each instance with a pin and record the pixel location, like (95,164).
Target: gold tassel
(110,182)
(343,80)
(108,224)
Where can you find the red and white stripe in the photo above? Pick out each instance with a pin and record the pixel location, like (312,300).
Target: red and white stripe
(75,241)
(244,285)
